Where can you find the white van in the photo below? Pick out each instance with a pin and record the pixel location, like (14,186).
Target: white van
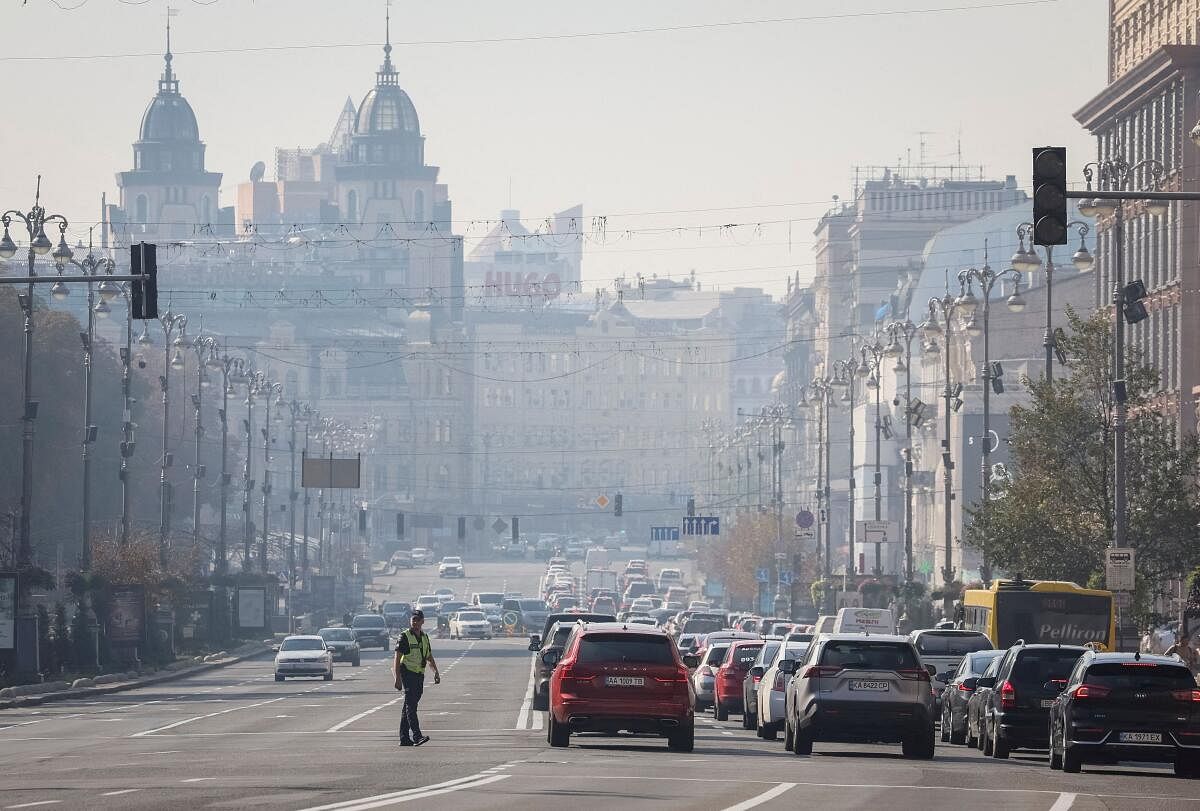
(864,621)
(596,558)
(824,624)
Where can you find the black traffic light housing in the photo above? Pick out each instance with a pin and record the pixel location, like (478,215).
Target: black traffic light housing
(1050,195)
(143,295)
(362,520)
(618,506)
(516,529)
(399,526)
(462,528)
(1131,302)
(691,506)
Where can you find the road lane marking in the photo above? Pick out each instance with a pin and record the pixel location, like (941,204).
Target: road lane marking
(523,714)
(197,779)
(31,805)
(120,792)
(759,799)
(343,724)
(420,793)
(207,715)
(1064,802)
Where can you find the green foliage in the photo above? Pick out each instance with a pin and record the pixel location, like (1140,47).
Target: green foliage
(61,646)
(1055,519)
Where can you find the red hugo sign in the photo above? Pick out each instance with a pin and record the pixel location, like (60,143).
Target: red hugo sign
(508,283)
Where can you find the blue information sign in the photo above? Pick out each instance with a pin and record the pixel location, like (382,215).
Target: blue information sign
(664,533)
(701,525)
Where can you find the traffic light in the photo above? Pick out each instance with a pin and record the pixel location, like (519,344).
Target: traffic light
(362,520)
(399,526)
(618,508)
(1050,195)
(997,377)
(516,529)
(143,294)
(462,528)
(1131,302)
(691,506)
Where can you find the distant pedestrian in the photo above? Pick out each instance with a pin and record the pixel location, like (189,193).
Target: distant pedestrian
(413,655)
(1184,650)
(347,619)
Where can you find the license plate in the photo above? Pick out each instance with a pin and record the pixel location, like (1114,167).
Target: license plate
(624,681)
(1140,737)
(1047,702)
(875,686)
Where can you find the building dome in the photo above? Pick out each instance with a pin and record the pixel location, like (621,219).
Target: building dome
(169,118)
(386,108)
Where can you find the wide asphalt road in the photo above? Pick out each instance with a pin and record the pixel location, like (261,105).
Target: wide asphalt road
(234,738)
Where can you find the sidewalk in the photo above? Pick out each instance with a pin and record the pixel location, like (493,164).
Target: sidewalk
(31,695)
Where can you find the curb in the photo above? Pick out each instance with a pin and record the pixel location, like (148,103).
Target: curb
(157,678)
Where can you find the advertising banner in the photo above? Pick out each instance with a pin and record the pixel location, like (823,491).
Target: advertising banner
(252,608)
(126,615)
(195,617)
(8,611)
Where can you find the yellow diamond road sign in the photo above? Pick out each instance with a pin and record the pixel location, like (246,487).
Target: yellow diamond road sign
(602,501)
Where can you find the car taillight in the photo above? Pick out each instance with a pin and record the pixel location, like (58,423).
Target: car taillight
(1186,695)
(963,688)
(1008,695)
(757,679)
(780,684)
(1095,691)
(819,671)
(569,674)
(680,677)
(917,673)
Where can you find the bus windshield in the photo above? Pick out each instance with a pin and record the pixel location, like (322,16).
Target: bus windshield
(1052,617)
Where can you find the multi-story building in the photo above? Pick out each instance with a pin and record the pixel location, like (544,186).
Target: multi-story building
(1145,113)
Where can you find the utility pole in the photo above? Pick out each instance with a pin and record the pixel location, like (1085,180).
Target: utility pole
(940,322)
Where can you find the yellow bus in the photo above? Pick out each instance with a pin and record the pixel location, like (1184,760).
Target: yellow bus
(1041,611)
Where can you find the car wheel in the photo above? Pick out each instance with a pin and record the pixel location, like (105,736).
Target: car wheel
(958,737)
(788,735)
(387,645)
(559,736)
(1186,766)
(919,746)
(945,725)
(1056,758)
(329,676)
(748,721)
(1071,761)
(541,702)
(802,742)
(1000,747)
(719,711)
(684,740)
(985,736)
(356,661)
(278,677)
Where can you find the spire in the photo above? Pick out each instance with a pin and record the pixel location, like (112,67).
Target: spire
(168,83)
(387,73)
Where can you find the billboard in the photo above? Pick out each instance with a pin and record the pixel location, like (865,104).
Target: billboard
(195,617)
(8,610)
(251,608)
(329,473)
(126,622)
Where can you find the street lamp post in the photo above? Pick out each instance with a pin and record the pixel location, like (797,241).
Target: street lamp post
(823,388)
(845,372)
(252,379)
(1028,261)
(312,416)
(173,324)
(1117,175)
(233,371)
(902,334)
(204,346)
(299,413)
(872,356)
(35,221)
(941,322)
(269,389)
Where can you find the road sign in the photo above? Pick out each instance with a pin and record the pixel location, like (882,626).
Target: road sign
(763,576)
(1123,600)
(878,531)
(805,519)
(602,501)
(786,578)
(664,533)
(1118,569)
(701,525)
(499,525)
(806,533)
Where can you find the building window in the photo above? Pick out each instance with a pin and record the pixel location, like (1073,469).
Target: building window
(352,205)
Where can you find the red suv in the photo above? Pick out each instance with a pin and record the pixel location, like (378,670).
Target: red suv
(615,677)
(727,689)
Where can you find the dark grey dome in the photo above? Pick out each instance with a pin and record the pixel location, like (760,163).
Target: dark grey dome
(386,108)
(169,118)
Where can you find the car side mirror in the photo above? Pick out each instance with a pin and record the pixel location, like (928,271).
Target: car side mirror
(275,648)
(985,681)
(788,666)
(971,683)
(535,642)
(534,646)
(757,671)
(932,670)
(944,678)
(691,660)
(550,658)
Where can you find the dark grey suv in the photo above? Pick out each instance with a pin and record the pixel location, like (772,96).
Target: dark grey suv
(860,688)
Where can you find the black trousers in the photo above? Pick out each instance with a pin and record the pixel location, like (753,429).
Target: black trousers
(414,685)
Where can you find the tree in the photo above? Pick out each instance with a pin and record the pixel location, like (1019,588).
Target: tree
(1054,519)
(735,557)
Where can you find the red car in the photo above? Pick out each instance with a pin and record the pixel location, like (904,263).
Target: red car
(615,677)
(727,689)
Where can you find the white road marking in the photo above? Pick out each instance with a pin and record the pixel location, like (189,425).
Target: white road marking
(759,799)
(1063,802)
(523,714)
(207,715)
(396,797)
(364,714)
(197,779)
(119,793)
(31,805)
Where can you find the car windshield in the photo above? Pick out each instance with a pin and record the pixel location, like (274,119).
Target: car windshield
(767,654)
(470,616)
(741,657)
(397,608)
(981,663)
(795,651)
(369,621)
(1041,666)
(702,626)
(561,632)
(533,605)
(337,635)
(951,644)
(716,655)
(625,648)
(451,560)
(450,607)
(869,655)
(490,598)
(427,599)
(567,602)
(1139,676)
(302,644)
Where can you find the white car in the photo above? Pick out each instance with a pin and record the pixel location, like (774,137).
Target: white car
(772,691)
(469,625)
(305,655)
(427,604)
(422,556)
(451,567)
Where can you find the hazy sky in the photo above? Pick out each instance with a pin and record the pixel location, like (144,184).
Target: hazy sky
(705,126)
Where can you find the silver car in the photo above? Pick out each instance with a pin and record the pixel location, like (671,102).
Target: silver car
(772,691)
(864,688)
(705,677)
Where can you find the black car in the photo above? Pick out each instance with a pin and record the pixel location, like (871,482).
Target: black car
(765,658)
(1125,706)
(556,642)
(343,645)
(568,616)
(976,703)
(1028,679)
(397,615)
(370,630)
(960,686)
